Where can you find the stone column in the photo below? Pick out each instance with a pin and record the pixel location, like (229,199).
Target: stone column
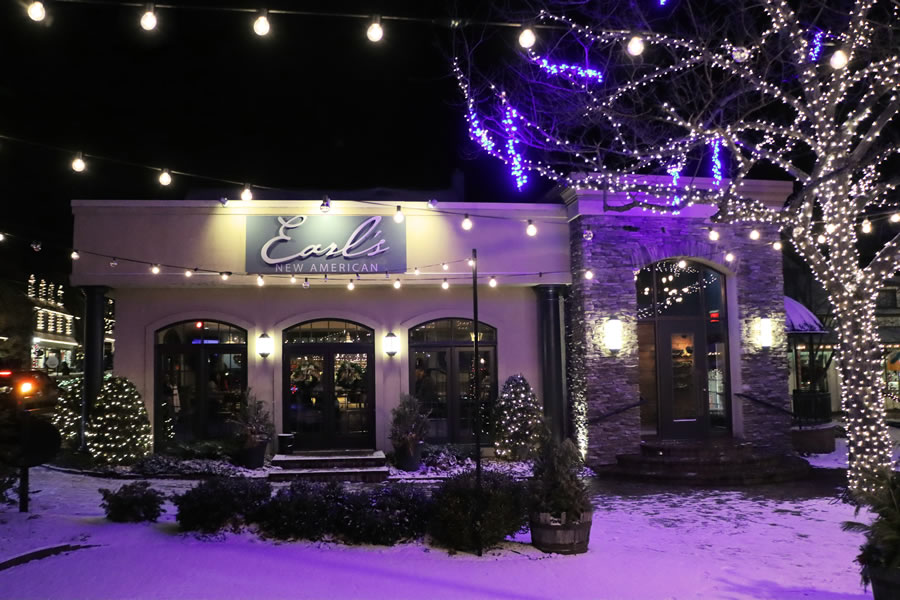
(552,346)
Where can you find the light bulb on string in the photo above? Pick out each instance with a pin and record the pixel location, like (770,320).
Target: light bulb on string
(492,282)
(445,266)
(293,279)
(224,275)
(261,24)
(260,281)
(831,228)
(895,218)
(165,178)
(471,262)
(682,264)
(306,282)
(114,263)
(866,226)
(754,234)
(375,32)
(432,203)
(398,215)
(839,60)
(78,164)
(154,269)
(729,257)
(713,235)
(820,238)
(188,273)
(75,255)
(325,207)
(445,285)
(397,284)
(416,271)
(148,19)
(588,274)
(467,223)
(776,245)
(531,229)
(36,11)
(246,194)
(350,285)
(527,38)
(635,46)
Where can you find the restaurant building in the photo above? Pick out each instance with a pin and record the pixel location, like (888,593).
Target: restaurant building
(627,325)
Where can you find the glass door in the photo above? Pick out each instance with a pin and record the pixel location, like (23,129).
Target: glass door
(306,397)
(682,370)
(180,404)
(467,404)
(432,388)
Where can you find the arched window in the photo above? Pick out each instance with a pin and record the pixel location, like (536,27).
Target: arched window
(442,375)
(683,350)
(328,331)
(201,380)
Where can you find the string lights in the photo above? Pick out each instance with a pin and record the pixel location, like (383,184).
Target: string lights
(148,19)
(261,25)
(165,178)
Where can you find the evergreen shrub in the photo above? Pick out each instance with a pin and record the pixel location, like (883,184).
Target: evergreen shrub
(304,510)
(216,503)
(556,486)
(119,431)
(518,420)
(504,510)
(385,516)
(132,503)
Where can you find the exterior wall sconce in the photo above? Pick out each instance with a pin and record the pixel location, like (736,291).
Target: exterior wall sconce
(391,344)
(764,334)
(265,345)
(612,335)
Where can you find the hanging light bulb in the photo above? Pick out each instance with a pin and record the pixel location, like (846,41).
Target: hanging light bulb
(432,203)
(587,235)
(831,228)
(866,226)
(114,263)
(306,282)
(531,230)
(729,257)
(375,31)
(445,266)
(224,275)
(165,178)
(2,237)
(776,245)
(467,223)
(471,262)
(78,164)
(416,271)
(350,285)
(493,282)
(148,19)
(326,205)
(527,38)
(682,263)
(247,194)
(75,255)
(398,216)
(397,284)
(713,235)
(261,24)
(445,285)
(635,46)
(839,60)
(36,11)
(754,234)
(260,281)
(821,238)
(588,274)
(155,269)
(895,218)
(293,279)
(188,273)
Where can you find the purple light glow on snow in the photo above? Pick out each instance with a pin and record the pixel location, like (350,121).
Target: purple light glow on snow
(567,70)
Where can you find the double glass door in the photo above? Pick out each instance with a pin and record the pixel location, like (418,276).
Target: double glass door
(329,399)
(443,381)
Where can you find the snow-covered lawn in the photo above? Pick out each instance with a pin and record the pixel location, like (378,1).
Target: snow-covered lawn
(647,542)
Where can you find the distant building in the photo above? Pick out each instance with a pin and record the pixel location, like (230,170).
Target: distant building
(53,342)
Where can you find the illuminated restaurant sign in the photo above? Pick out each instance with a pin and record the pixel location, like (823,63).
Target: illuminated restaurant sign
(325,244)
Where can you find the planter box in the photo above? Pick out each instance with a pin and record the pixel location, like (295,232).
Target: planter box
(818,439)
(406,460)
(562,536)
(253,457)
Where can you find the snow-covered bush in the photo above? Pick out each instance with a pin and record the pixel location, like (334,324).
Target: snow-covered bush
(132,503)
(503,507)
(216,503)
(302,511)
(386,515)
(519,420)
(154,465)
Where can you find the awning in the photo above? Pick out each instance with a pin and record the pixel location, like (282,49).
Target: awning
(800,319)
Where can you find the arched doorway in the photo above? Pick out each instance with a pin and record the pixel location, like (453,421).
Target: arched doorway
(442,373)
(201,378)
(683,350)
(329,384)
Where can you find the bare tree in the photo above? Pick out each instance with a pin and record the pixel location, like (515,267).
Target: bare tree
(806,91)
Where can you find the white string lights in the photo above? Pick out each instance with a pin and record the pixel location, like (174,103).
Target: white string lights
(823,131)
(148,19)
(261,25)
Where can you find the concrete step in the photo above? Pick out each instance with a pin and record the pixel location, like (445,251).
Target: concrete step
(360,474)
(331,459)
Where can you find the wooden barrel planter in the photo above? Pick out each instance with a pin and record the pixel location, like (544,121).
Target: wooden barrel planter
(562,536)
(885,582)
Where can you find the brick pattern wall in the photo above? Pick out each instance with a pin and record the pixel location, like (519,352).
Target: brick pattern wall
(622,245)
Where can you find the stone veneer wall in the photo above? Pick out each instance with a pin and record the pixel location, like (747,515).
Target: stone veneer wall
(602,382)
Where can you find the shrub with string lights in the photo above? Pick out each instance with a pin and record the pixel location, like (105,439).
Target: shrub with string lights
(119,431)
(518,422)
(67,414)
(604,94)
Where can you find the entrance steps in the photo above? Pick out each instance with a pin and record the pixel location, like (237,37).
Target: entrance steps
(364,466)
(710,462)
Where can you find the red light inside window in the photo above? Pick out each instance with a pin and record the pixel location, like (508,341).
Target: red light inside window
(199,324)
(714,316)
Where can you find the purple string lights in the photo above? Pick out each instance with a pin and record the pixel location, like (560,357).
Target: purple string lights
(717,161)
(515,159)
(816,46)
(566,70)
(478,133)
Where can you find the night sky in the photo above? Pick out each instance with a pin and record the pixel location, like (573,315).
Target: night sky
(313,105)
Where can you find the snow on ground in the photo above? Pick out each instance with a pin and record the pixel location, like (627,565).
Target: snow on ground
(647,541)
(838,458)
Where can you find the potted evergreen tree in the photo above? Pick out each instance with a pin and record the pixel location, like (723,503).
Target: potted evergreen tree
(409,426)
(560,507)
(879,555)
(254,432)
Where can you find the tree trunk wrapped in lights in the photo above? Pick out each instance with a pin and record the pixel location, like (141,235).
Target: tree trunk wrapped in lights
(605,94)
